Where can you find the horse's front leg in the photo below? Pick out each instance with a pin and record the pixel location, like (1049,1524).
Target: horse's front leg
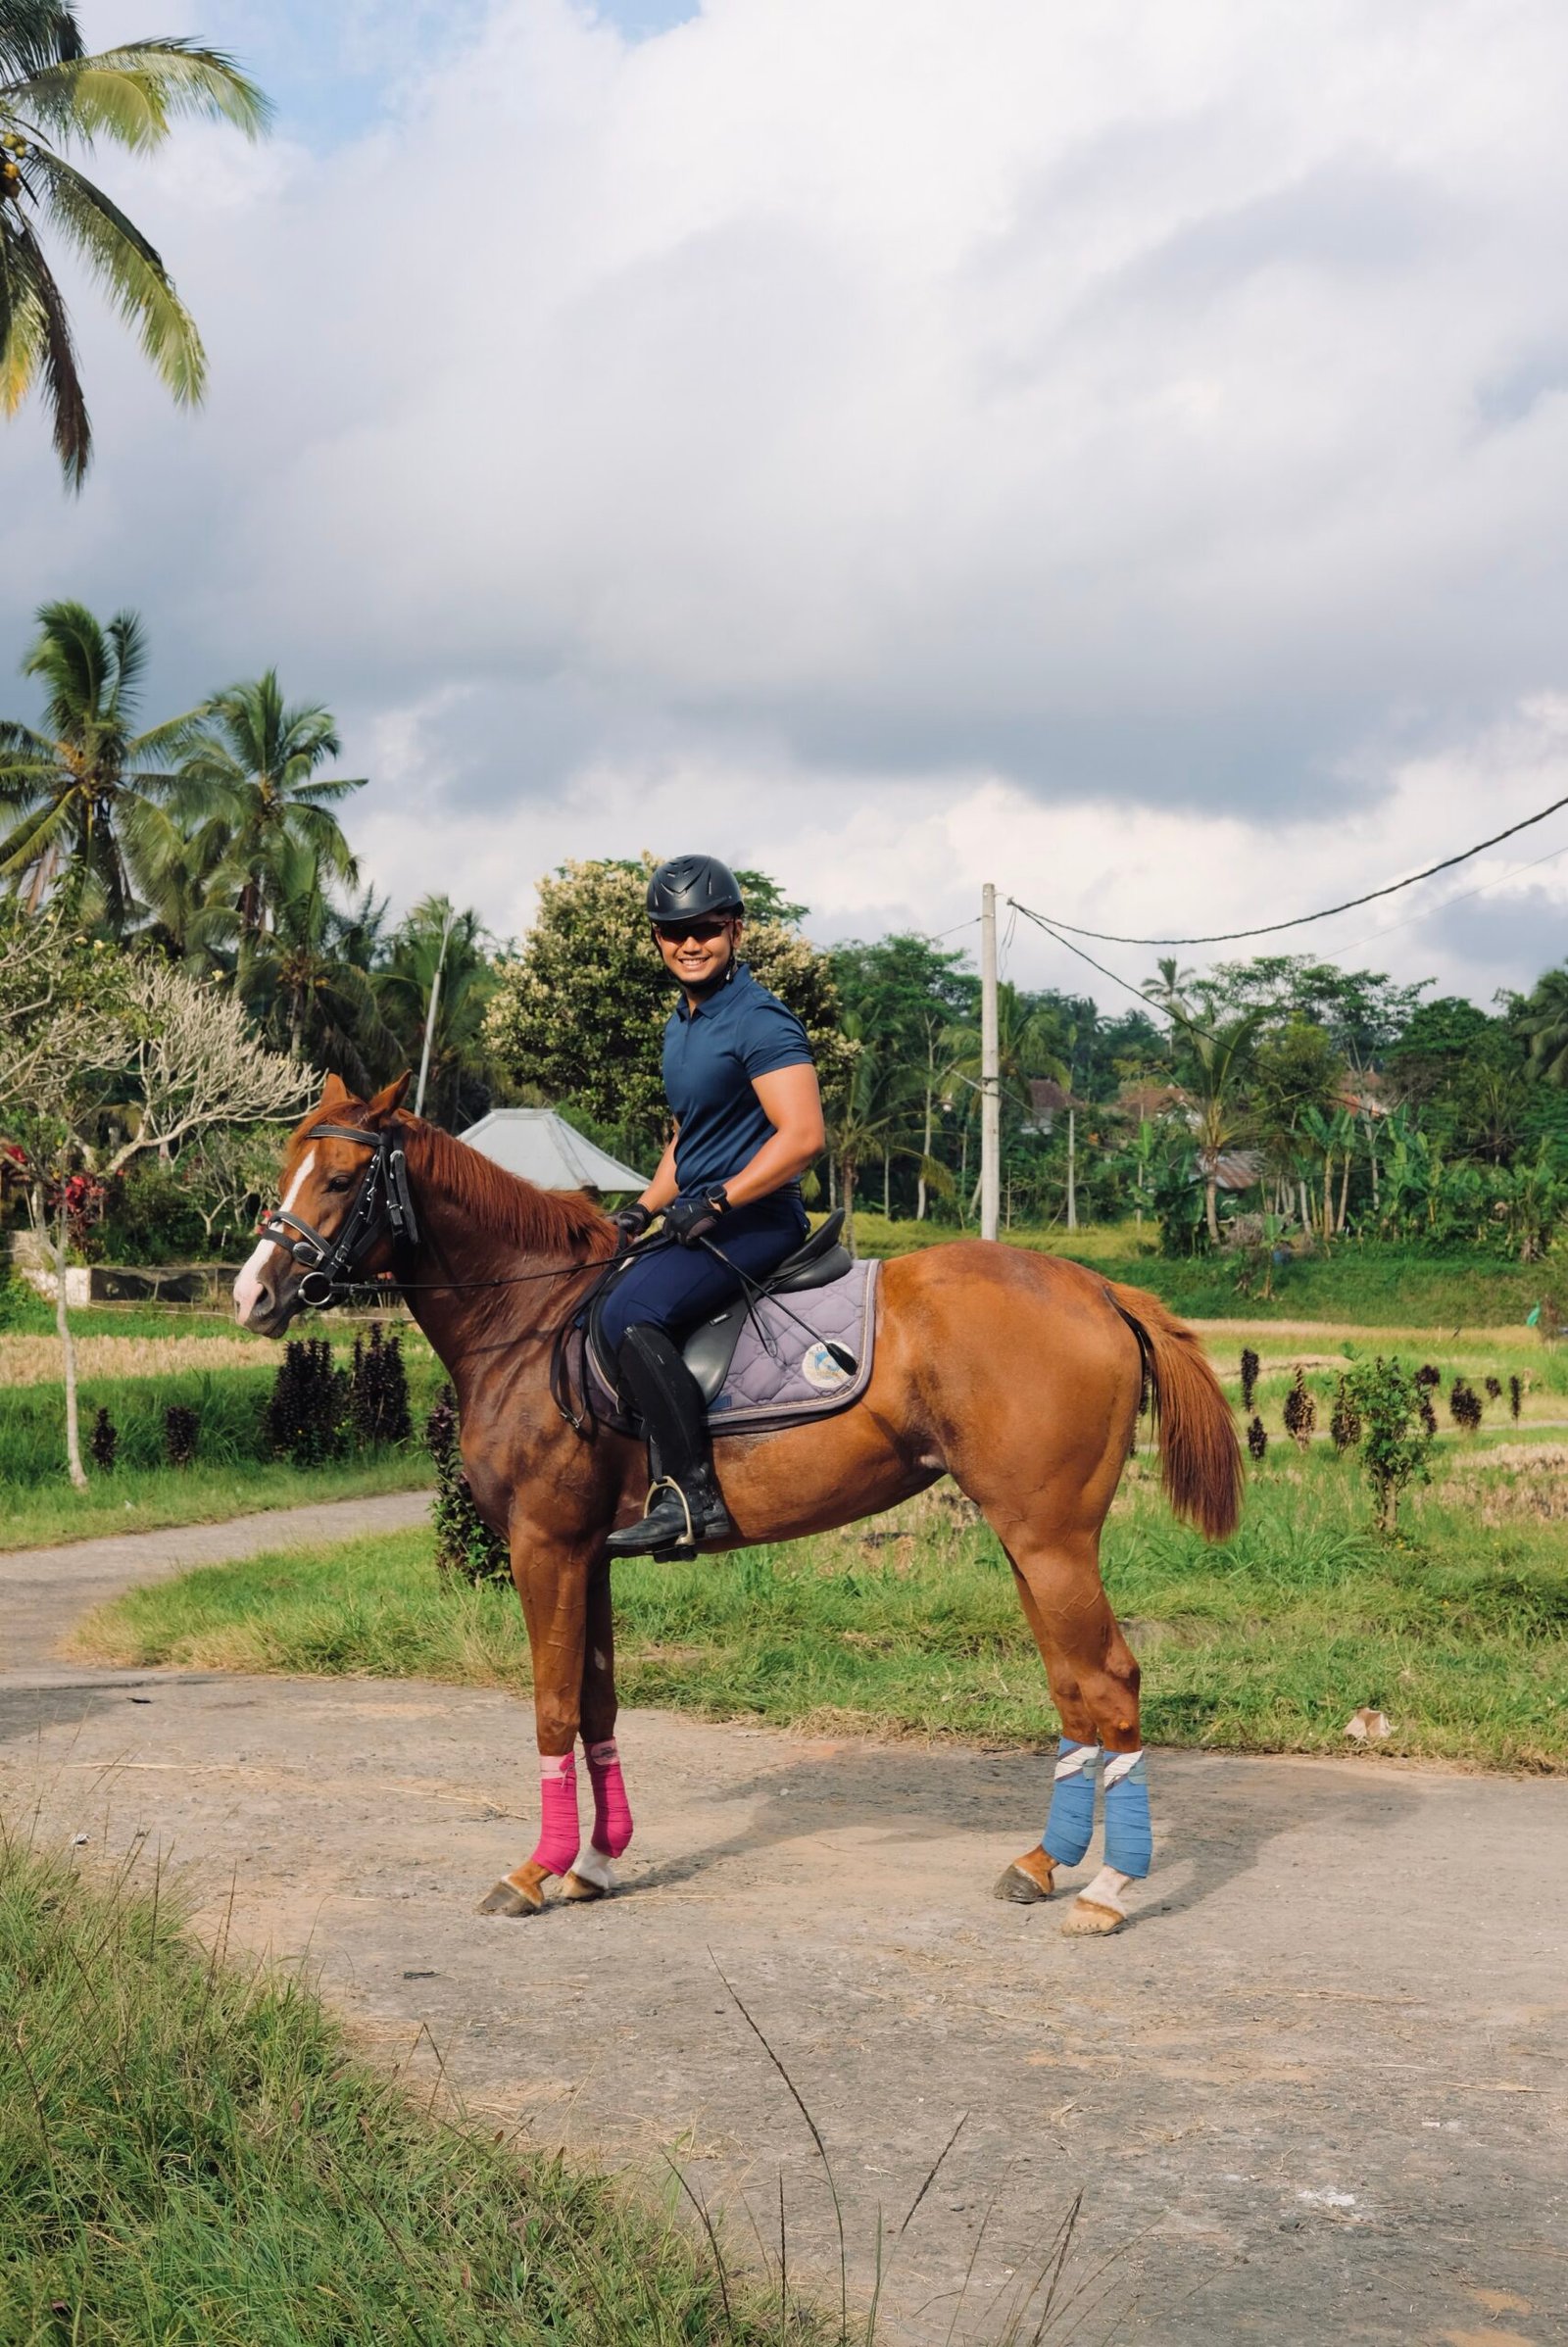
(593,1875)
(551,1579)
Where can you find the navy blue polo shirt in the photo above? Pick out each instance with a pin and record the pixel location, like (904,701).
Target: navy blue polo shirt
(711,1057)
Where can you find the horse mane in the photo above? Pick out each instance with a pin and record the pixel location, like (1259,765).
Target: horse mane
(535,1221)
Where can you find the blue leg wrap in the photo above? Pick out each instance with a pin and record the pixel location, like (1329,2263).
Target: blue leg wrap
(1129,1834)
(1071,1822)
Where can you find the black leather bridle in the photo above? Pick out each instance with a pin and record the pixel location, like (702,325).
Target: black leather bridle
(381,1206)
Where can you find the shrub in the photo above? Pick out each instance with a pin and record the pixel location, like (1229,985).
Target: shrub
(1493,1389)
(1391,1404)
(1346,1424)
(1250,1365)
(464,1542)
(1427,1414)
(378,1391)
(148,1217)
(181,1429)
(1257,1441)
(304,1416)
(1428,1374)
(1301,1412)
(103,1441)
(1464,1406)
(1516,1398)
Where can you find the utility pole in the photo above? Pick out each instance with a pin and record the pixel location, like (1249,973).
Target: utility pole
(1072,1168)
(989,1071)
(429,1016)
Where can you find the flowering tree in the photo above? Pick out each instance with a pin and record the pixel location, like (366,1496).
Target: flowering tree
(83,1035)
(581,1013)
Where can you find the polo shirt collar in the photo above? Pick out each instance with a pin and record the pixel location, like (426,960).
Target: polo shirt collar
(683,1009)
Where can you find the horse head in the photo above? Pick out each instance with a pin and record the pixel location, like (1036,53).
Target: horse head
(320,1185)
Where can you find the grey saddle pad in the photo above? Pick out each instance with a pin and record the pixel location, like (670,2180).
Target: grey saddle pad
(783,1376)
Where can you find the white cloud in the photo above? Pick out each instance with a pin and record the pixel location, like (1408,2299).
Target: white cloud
(1118,451)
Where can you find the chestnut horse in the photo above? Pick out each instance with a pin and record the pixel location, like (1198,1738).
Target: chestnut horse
(1021,1375)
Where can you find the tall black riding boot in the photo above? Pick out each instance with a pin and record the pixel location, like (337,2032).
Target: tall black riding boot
(685,1507)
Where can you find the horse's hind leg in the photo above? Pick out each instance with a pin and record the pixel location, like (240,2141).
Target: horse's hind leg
(593,1877)
(1093,1685)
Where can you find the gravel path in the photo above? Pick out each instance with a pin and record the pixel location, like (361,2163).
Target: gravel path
(1315,2092)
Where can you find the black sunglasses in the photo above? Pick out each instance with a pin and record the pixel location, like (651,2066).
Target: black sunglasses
(675,933)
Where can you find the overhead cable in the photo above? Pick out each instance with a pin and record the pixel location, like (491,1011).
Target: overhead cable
(1231,937)
(1177,1018)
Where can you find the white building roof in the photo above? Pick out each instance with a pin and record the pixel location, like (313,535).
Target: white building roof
(543,1147)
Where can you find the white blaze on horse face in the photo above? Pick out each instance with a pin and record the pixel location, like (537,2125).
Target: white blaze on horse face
(247,1287)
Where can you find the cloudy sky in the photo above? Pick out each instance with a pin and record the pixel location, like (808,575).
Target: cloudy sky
(1116,452)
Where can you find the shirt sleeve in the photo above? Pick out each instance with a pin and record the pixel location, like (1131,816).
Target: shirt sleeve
(774,1038)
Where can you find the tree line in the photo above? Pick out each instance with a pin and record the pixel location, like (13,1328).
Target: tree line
(1255,1103)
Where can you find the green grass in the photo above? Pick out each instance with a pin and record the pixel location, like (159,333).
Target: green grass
(233,1474)
(191,2156)
(151,1498)
(911,1626)
(25,1313)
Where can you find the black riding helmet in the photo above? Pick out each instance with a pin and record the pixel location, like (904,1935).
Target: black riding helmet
(693,887)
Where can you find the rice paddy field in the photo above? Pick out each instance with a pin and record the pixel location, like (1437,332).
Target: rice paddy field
(908,1625)
(1455,1629)
(188,1361)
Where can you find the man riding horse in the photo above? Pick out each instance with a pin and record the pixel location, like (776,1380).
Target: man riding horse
(1021,1375)
(748,1121)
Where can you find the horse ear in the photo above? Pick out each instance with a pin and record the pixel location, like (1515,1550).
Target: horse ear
(390,1099)
(334,1091)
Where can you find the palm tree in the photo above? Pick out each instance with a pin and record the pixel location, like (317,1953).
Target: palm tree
(1545,1023)
(868,1115)
(52,95)
(1211,1084)
(303,984)
(403,985)
(1030,1042)
(180,875)
(253,765)
(80,791)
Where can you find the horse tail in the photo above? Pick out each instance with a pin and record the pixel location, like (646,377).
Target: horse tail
(1200,1457)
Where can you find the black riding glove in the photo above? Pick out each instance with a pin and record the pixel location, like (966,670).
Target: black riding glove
(690,1219)
(632,1221)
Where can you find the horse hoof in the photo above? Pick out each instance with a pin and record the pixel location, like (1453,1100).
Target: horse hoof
(507,1900)
(1029,1880)
(592,1878)
(1087,1919)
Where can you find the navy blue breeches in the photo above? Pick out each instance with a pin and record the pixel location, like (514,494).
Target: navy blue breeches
(672,1288)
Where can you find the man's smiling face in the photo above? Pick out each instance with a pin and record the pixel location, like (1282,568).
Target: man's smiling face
(698,952)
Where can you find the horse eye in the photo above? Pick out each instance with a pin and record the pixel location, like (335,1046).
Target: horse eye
(340,1181)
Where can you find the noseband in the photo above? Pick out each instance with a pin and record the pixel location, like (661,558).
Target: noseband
(381,1205)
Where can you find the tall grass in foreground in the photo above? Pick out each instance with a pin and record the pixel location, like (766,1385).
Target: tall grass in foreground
(910,1625)
(191,2157)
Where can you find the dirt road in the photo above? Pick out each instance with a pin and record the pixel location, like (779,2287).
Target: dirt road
(1315,2092)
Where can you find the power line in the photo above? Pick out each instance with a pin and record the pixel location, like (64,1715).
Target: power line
(1144,1002)
(1231,937)
(1460,895)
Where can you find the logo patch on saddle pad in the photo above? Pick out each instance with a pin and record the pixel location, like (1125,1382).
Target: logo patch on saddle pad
(822,1371)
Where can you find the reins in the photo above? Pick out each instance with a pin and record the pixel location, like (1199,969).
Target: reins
(383,1200)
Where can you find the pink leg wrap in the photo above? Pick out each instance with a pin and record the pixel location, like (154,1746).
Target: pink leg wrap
(611,1809)
(558,1800)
